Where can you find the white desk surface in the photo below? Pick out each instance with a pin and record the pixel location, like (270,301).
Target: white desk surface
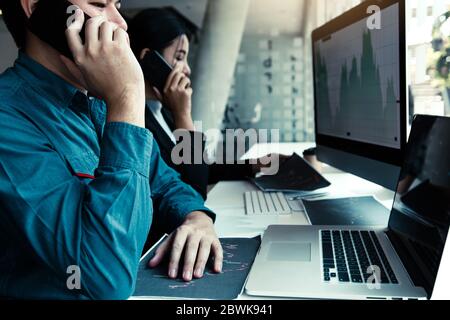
(226,199)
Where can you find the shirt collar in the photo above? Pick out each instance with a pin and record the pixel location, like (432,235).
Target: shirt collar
(155,106)
(45,81)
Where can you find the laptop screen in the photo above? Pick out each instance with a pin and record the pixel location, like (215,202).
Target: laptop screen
(420,217)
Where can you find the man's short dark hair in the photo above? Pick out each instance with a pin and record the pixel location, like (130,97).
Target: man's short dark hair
(15,20)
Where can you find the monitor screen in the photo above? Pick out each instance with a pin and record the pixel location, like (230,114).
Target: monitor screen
(360,90)
(357,74)
(420,217)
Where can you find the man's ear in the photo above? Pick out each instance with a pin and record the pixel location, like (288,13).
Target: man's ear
(28,6)
(143,53)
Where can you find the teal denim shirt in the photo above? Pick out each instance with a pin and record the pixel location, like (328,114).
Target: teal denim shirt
(75,191)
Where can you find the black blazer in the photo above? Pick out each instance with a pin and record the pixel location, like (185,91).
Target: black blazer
(196,175)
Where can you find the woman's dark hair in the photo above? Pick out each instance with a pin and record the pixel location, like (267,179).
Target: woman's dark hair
(157,28)
(15,20)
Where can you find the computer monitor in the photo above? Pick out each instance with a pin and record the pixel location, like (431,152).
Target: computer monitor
(360,91)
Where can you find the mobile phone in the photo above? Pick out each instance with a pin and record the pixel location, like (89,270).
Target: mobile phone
(49,22)
(156,70)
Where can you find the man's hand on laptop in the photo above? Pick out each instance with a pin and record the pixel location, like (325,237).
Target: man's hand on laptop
(108,67)
(196,239)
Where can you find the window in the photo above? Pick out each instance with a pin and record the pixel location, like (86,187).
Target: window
(273,82)
(429,62)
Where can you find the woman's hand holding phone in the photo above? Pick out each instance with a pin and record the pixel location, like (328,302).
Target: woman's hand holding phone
(177,97)
(108,67)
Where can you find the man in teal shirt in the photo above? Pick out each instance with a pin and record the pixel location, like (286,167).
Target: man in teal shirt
(75,170)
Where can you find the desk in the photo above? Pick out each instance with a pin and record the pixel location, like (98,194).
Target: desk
(227,201)
(226,198)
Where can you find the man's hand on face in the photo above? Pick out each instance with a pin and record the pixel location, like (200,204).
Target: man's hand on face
(109,67)
(197,239)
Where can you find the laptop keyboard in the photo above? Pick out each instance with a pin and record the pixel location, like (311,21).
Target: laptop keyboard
(347,256)
(266,203)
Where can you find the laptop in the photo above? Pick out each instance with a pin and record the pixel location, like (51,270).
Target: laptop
(400,261)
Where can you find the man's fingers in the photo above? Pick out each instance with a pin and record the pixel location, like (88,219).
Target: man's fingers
(77,24)
(106,31)
(202,258)
(73,33)
(175,256)
(160,253)
(92,31)
(218,256)
(190,256)
(121,36)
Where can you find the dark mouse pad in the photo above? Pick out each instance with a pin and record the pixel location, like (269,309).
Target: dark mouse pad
(238,257)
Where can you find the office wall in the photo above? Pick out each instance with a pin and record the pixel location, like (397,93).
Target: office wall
(220,39)
(268,88)
(8,52)
(273,80)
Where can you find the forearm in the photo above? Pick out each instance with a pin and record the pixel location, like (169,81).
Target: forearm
(115,214)
(129,108)
(178,203)
(184,121)
(100,226)
(199,214)
(194,171)
(175,198)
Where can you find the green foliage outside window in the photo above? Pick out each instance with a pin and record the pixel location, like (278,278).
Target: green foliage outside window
(439,58)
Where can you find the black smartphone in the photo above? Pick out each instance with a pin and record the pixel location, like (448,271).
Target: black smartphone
(156,70)
(49,22)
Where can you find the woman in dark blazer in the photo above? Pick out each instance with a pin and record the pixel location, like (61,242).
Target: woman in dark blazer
(167,32)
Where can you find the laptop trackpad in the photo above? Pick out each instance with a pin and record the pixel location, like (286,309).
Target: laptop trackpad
(288,251)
